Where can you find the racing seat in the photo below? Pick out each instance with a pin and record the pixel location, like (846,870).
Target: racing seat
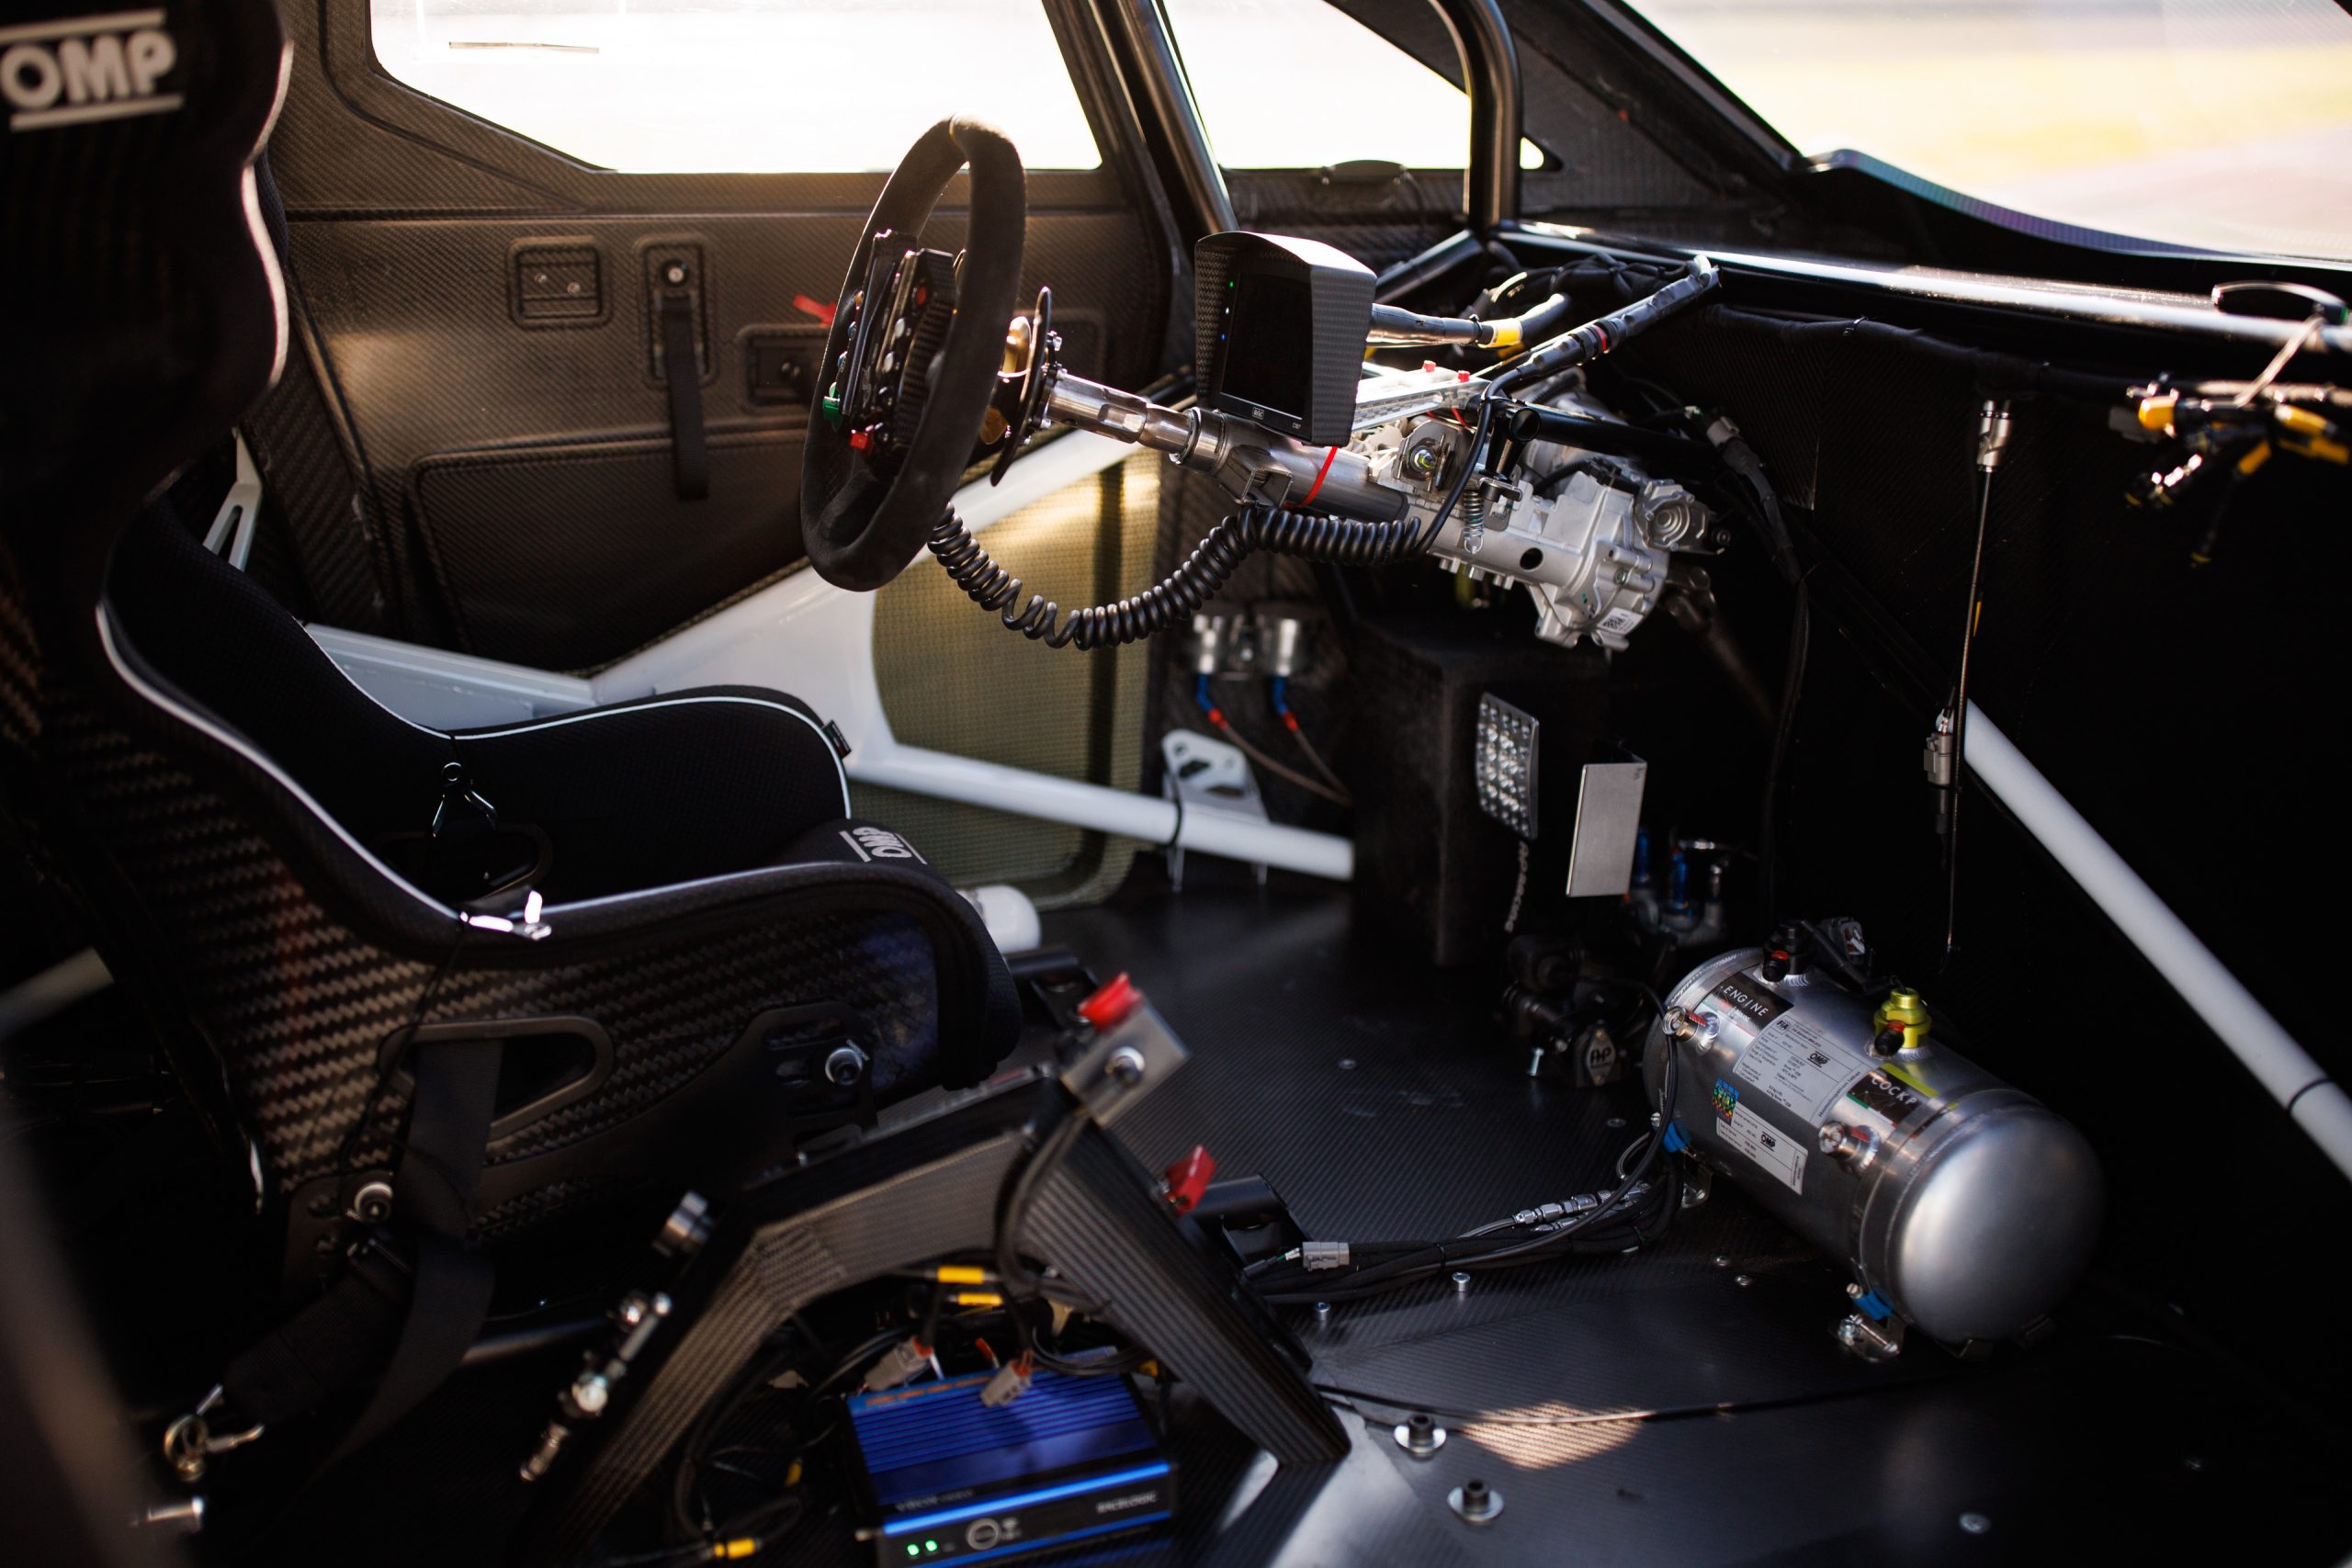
(431,990)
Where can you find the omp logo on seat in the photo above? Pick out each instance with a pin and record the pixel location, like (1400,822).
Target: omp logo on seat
(86,68)
(879,843)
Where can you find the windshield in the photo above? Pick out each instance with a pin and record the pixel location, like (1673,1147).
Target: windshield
(2220,124)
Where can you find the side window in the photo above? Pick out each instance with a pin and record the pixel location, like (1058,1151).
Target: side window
(692,87)
(1300,84)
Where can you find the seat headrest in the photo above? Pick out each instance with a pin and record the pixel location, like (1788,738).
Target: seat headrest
(144,309)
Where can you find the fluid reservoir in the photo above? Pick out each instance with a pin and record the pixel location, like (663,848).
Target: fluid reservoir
(1962,1206)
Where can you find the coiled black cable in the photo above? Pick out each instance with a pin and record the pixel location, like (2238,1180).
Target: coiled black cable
(1171,602)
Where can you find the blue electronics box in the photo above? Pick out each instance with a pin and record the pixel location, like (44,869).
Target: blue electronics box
(948,1479)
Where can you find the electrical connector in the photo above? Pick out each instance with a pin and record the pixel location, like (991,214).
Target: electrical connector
(1551,1216)
(1011,1382)
(1320,1255)
(900,1364)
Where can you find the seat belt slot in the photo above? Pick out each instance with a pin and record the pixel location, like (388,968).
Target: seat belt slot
(674,278)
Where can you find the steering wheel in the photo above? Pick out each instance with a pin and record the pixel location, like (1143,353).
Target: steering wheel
(911,359)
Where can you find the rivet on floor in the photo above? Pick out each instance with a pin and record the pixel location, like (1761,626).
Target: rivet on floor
(1975,1523)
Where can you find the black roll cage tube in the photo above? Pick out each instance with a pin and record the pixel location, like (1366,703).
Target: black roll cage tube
(1144,53)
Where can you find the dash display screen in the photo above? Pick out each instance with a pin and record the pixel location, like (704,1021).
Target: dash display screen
(1268,344)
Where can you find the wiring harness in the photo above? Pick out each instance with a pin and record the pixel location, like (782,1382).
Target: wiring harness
(1635,1213)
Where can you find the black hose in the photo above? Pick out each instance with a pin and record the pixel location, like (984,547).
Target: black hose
(1783,735)
(1660,448)
(1014,1276)
(1470,459)
(1604,334)
(1742,460)
(1171,602)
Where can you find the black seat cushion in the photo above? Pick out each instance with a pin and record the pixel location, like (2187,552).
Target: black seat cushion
(667,789)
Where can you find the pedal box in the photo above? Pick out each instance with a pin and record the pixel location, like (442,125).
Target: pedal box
(945,1478)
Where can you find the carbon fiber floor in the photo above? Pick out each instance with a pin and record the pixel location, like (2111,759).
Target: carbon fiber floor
(1382,1103)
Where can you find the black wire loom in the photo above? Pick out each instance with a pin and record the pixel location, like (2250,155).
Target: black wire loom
(1171,602)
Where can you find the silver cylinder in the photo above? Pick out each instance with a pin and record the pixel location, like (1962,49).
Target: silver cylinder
(1107,411)
(1252,464)
(1966,1206)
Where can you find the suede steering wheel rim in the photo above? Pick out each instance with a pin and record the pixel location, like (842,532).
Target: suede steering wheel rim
(861,528)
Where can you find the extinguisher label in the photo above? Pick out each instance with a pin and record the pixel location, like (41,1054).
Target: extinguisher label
(1752,1136)
(1750,999)
(1800,1065)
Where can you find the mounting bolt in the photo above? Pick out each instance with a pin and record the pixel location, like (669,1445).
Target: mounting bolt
(181,1515)
(1126,1064)
(1476,1501)
(845,1066)
(1420,1436)
(1744,1280)
(1322,1314)
(1462,1282)
(688,1226)
(372,1204)
(1976,1523)
(674,273)
(1843,1142)
(592,1393)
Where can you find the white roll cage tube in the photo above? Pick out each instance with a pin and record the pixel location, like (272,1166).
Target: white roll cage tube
(802,635)
(2315,1101)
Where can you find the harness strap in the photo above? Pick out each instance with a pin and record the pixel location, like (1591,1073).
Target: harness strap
(425,1311)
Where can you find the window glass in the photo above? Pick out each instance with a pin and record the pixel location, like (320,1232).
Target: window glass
(1300,84)
(2222,124)
(674,86)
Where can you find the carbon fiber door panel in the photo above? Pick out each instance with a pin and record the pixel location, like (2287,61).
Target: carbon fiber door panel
(521,537)
(515,451)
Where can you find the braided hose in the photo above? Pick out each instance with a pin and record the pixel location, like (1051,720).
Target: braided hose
(1171,602)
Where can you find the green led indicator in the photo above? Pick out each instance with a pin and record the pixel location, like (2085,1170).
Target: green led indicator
(913,1550)
(931,1546)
